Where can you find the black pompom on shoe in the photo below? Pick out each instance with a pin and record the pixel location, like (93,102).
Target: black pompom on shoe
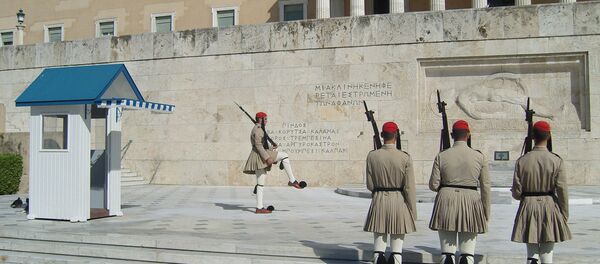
(17,203)
(302,184)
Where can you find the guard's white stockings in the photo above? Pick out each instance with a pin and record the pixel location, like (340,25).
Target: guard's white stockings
(542,251)
(261,176)
(380,244)
(283,158)
(466,244)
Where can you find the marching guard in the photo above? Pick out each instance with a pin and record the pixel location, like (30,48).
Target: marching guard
(260,160)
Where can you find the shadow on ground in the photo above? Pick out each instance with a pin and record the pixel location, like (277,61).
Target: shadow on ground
(236,207)
(339,253)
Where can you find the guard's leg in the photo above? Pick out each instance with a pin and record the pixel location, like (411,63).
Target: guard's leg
(448,246)
(466,246)
(533,253)
(546,252)
(379,245)
(261,176)
(283,158)
(396,243)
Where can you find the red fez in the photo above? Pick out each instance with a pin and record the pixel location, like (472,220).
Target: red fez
(541,126)
(460,125)
(390,127)
(261,115)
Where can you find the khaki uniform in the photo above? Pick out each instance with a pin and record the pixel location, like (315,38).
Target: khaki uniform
(259,154)
(541,219)
(460,209)
(391,212)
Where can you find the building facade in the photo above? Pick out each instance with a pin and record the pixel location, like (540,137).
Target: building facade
(63,20)
(311,77)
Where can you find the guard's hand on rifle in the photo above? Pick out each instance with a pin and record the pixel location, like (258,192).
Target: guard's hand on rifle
(269,161)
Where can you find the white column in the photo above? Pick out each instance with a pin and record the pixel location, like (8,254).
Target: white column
(19,36)
(357,7)
(479,3)
(323,10)
(567,1)
(397,6)
(522,2)
(437,5)
(113,141)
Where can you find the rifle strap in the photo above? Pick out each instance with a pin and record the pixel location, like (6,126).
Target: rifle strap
(265,143)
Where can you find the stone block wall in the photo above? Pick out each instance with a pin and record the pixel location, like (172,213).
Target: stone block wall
(311,77)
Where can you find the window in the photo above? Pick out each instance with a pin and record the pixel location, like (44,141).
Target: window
(106,27)
(163,22)
(225,16)
(381,7)
(337,8)
(6,38)
(292,10)
(501,3)
(54,132)
(54,33)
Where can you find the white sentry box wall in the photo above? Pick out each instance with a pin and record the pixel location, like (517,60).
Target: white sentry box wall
(113,129)
(60,179)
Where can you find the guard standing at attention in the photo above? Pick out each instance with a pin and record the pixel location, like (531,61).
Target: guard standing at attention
(393,208)
(460,210)
(540,183)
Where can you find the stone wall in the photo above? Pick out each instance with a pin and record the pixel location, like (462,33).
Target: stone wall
(311,77)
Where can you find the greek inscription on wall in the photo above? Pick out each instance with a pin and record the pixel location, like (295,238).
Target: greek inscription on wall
(308,141)
(349,94)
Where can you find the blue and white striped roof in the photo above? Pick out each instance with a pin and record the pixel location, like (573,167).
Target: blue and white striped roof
(135,104)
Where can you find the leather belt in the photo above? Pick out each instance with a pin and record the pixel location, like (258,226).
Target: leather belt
(525,194)
(381,189)
(460,186)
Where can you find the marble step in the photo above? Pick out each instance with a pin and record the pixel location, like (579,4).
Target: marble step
(131,178)
(23,250)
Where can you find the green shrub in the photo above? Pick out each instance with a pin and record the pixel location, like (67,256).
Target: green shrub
(11,169)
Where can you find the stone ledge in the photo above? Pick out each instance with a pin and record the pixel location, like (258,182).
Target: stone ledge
(407,28)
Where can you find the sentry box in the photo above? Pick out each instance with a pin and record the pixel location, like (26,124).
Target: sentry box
(75,140)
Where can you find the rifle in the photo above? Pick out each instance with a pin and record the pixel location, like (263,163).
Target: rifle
(527,145)
(445,133)
(266,146)
(398,143)
(376,139)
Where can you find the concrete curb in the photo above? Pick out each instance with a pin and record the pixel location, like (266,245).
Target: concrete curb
(354,191)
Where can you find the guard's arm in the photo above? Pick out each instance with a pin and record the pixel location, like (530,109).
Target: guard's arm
(516,188)
(257,143)
(410,194)
(369,174)
(434,180)
(485,186)
(561,190)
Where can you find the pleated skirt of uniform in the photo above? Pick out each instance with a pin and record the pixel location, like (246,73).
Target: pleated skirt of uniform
(539,220)
(458,210)
(389,214)
(255,162)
